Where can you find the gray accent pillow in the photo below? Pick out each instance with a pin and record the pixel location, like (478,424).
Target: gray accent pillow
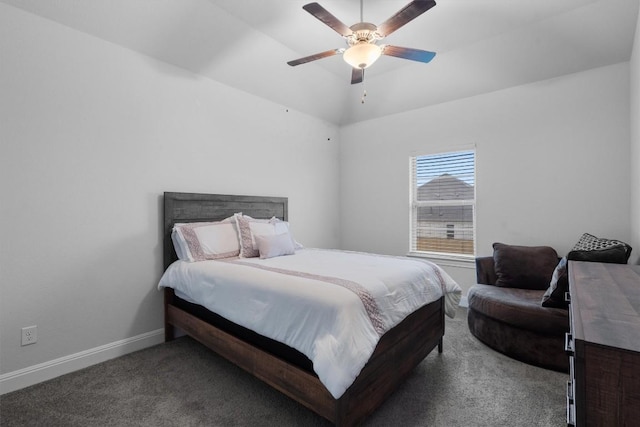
(554,296)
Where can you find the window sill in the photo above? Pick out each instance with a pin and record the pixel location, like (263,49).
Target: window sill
(451,260)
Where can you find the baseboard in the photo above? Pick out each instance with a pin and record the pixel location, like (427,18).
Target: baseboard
(31,375)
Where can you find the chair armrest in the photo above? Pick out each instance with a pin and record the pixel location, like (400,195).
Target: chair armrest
(485,271)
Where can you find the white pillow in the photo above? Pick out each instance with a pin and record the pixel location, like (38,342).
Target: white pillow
(275,245)
(284,227)
(179,245)
(200,241)
(249,228)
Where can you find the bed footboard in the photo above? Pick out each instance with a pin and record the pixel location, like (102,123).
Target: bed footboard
(399,351)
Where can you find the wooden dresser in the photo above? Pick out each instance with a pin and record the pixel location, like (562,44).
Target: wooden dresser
(604,345)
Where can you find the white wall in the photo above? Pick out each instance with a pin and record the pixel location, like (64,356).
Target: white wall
(635,147)
(91,135)
(551,159)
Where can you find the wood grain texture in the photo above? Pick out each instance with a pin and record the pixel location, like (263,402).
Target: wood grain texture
(605,327)
(197,207)
(396,355)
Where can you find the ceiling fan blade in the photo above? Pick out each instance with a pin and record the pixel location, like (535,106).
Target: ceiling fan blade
(408,53)
(314,57)
(357,75)
(406,14)
(328,19)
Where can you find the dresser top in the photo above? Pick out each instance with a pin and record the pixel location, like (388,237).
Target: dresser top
(605,303)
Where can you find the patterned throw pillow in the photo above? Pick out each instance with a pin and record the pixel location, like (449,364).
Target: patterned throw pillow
(595,249)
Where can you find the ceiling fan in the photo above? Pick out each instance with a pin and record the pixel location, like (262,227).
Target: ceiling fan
(362,38)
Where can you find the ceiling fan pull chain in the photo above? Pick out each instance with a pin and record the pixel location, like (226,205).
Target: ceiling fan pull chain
(364,94)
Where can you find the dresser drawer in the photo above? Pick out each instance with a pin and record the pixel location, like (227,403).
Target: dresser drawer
(571,392)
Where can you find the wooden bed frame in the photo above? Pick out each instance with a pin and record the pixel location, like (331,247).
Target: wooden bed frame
(397,353)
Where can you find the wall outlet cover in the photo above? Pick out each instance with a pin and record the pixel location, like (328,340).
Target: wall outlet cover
(29,335)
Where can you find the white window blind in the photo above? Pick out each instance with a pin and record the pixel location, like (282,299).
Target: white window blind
(443,203)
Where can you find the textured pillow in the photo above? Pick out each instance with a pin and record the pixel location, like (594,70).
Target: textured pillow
(276,245)
(525,267)
(594,249)
(554,296)
(200,241)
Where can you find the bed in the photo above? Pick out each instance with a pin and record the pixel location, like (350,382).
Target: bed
(397,352)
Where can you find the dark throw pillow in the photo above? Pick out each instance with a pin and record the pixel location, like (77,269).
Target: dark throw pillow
(554,297)
(594,249)
(525,267)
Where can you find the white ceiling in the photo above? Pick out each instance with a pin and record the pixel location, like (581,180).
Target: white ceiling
(481,45)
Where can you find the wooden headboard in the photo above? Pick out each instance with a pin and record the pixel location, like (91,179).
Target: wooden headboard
(193,207)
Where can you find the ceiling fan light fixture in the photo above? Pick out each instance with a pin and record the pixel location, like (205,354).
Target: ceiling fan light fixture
(362,54)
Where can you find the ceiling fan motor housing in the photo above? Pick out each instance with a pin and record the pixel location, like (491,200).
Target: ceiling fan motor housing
(363,32)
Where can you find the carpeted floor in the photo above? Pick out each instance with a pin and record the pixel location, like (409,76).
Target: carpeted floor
(182,383)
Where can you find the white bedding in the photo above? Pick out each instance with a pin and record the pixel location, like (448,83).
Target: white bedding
(332,306)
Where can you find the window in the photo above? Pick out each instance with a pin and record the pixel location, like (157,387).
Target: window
(443,203)
(451,233)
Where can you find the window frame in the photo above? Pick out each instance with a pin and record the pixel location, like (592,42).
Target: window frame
(455,259)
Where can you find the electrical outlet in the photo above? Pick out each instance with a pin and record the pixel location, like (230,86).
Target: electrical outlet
(29,335)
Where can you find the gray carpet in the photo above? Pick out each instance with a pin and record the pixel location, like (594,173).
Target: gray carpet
(182,383)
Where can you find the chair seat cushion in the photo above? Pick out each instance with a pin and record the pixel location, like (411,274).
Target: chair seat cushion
(518,307)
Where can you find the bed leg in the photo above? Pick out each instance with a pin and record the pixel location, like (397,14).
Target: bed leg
(440,345)
(169,333)
(169,330)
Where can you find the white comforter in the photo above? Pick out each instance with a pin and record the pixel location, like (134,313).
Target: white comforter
(332,306)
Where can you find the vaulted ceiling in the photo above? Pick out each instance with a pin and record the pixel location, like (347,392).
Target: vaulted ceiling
(481,45)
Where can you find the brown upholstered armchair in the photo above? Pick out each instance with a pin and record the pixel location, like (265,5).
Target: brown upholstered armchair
(512,320)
